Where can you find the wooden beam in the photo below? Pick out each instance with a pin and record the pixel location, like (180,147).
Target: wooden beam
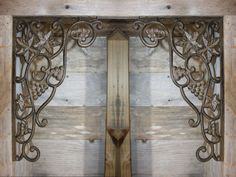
(230,95)
(118,9)
(5,95)
(118,153)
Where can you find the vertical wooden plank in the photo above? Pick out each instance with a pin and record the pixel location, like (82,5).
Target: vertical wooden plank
(230,95)
(5,95)
(118,154)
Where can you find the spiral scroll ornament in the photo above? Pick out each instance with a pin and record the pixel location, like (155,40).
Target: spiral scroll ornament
(198,44)
(37,47)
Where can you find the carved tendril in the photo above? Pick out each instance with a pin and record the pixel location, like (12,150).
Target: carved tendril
(37,45)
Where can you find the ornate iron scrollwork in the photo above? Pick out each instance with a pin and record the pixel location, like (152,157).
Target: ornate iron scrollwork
(37,44)
(199,45)
(196,44)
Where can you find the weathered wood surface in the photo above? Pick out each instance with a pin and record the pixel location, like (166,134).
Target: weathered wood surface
(69,158)
(87,60)
(230,95)
(155,89)
(148,60)
(73,123)
(165,129)
(118,9)
(153,158)
(5,95)
(118,157)
(7,166)
(173,125)
(163,123)
(80,89)
(146,89)
(150,82)
(166,158)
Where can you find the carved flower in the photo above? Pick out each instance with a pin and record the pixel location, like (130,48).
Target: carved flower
(213,102)
(211,47)
(189,42)
(22,101)
(25,46)
(46,42)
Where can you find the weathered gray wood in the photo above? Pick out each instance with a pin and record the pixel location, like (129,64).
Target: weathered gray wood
(69,158)
(146,89)
(119,9)
(118,157)
(155,89)
(5,95)
(82,123)
(230,96)
(163,123)
(80,89)
(149,60)
(166,158)
(87,60)
(73,123)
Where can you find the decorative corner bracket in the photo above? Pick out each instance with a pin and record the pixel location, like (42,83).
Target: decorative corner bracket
(37,47)
(196,67)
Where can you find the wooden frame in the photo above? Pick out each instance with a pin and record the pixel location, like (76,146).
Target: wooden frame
(120,9)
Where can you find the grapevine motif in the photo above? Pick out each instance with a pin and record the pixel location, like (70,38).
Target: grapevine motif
(199,46)
(37,45)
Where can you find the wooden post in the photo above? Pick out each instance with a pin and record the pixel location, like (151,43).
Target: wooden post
(5,95)
(118,156)
(230,95)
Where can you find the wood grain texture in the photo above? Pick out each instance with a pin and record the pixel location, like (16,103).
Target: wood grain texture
(73,123)
(118,9)
(163,123)
(86,60)
(149,60)
(166,158)
(78,158)
(163,140)
(118,158)
(156,89)
(5,95)
(229,164)
(79,89)
(230,95)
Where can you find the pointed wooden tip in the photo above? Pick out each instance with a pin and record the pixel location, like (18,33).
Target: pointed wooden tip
(118,35)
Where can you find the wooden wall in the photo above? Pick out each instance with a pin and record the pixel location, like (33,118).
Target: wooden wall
(5,95)
(73,142)
(161,136)
(230,96)
(119,9)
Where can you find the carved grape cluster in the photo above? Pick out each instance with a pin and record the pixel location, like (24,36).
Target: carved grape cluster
(197,89)
(38,89)
(57,72)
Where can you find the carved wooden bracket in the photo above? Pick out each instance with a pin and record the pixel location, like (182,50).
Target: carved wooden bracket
(197,43)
